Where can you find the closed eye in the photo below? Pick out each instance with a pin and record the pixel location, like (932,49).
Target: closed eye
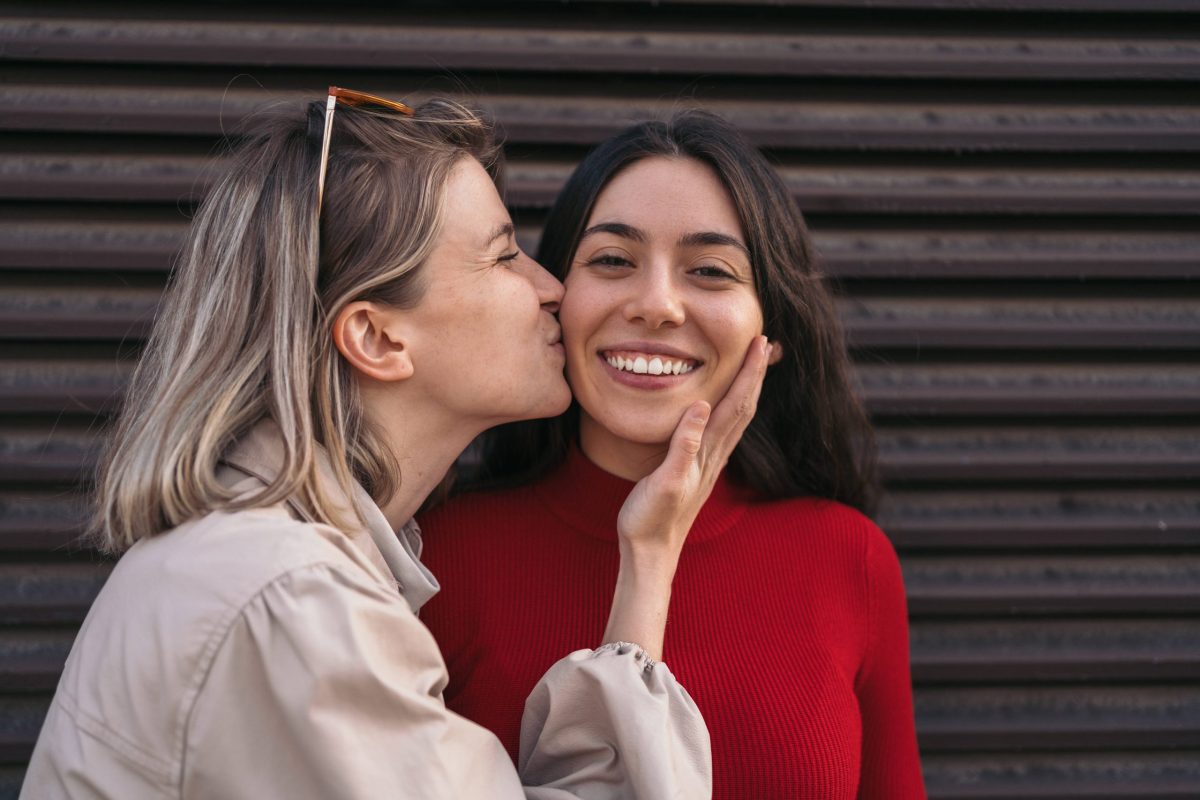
(508,257)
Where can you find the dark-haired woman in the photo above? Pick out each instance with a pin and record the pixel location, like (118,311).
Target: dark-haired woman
(678,244)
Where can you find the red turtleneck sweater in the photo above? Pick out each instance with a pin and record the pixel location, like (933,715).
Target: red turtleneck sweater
(787,626)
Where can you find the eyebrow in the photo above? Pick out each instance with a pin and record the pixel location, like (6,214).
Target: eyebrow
(618,229)
(501,231)
(712,238)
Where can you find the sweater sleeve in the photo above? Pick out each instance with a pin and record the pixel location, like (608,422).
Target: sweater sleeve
(611,723)
(891,767)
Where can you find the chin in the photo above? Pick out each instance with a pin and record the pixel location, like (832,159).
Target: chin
(657,430)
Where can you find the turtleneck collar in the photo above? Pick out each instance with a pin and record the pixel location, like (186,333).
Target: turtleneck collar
(588,499)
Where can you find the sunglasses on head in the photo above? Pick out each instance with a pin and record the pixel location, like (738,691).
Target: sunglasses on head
(358,100)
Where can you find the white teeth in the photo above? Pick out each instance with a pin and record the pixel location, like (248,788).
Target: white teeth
(655,365)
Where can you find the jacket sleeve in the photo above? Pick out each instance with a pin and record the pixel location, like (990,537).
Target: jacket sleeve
(327,685)
(891,766)
(611,723)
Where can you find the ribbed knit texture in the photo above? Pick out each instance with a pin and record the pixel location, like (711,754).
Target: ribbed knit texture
(787,626)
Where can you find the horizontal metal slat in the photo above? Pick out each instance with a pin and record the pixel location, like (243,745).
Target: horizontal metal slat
(793,123)
(962,454)
(936,585)
(947,653)
(86,386)
(545,47)
(949,585)
(915,520)
(874,321)
(1058,718)
(63,452)
(33,659)
(1033,651)
(817,188)
(136,245)
(49,593)
(41,521)
(1130,775)
(1045,518)
(104,310)
(1007,253)
(21,720)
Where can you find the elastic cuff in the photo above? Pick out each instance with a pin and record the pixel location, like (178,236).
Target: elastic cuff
(625,648)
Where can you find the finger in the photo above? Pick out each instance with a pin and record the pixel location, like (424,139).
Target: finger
(736,409)
(686,441)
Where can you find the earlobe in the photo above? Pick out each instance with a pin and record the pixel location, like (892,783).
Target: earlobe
(372,341)
(776,354)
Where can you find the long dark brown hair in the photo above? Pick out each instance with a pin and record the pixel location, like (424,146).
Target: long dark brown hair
(810,436)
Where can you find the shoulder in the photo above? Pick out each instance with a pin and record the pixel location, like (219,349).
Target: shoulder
(478,515)
(820,521)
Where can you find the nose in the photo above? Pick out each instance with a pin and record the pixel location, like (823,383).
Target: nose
(656,301)
(549,288)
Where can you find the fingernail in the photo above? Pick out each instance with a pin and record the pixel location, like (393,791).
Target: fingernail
(765,345)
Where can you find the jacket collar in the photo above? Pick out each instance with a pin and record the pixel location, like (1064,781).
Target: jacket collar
(395,555)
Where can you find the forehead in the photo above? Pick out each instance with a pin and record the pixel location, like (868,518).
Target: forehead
(668,196)
(473,207)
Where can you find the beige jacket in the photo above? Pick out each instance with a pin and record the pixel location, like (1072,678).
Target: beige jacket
(259,655)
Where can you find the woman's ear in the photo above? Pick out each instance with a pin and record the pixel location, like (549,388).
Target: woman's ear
(776,353)
(372,338)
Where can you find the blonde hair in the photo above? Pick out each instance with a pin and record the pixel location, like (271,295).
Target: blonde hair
(243,332)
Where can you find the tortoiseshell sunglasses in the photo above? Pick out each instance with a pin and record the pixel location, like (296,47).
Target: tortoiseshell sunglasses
(350,98)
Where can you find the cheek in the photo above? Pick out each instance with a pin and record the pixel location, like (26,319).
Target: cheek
(581,310)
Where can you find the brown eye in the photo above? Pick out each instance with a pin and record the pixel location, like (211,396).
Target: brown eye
(609,261)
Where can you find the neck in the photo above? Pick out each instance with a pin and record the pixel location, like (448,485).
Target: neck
(621,457)
(425,441)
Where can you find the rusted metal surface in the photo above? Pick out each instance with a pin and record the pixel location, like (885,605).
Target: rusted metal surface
(1006,191)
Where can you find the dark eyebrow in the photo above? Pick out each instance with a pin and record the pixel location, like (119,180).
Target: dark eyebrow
(712,238)
(618,229)
(502,231)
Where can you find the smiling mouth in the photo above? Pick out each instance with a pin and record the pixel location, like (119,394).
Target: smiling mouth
(648,363)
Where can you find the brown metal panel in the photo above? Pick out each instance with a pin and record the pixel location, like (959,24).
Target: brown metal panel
(109,309)
(29,385)
(1007,198)
(1037,651)
(952,585)
(32,659)
(49,593)
(817,187)
(644,49)
(1045,517)
(1104,717)
(997,253)
(1129,775)
(1024,453)
(784,122)
(63,451)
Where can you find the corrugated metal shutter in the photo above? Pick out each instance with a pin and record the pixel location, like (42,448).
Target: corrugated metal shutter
(1007,191)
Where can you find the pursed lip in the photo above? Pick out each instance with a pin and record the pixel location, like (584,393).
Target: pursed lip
(650,348)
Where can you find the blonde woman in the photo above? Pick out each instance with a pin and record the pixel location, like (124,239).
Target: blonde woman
(350,309)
